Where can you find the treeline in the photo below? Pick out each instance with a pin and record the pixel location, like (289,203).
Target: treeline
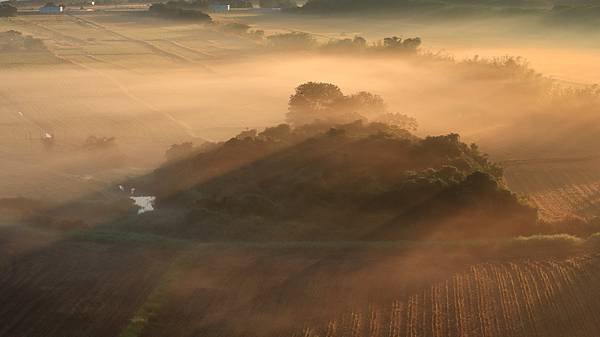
(302,41)
(356,45)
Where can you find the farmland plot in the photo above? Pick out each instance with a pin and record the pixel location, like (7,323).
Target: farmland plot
(70,105)
(346,295)
(110,78)
(558,187)
(122,39)
(527,298)
(77,289)
(137,285)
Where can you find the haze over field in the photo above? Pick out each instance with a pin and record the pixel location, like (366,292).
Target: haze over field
(331,168)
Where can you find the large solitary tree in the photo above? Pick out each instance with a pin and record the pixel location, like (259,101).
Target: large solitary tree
(325,103)
(313,101)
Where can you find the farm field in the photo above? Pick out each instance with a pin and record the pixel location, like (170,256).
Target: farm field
(82,296)
(88,86)
(292,289)
(559,188)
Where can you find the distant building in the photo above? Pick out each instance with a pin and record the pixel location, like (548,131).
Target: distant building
(220,8)
(51,8)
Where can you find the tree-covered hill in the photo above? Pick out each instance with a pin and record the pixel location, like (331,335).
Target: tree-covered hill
(338,182)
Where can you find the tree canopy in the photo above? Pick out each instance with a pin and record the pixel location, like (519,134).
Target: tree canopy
(326,103)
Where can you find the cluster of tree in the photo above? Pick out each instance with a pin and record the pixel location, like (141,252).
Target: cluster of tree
(305,41)
(505,67)
(397,43)
(242,29)
(358,43)
(13,40)
(6,10)
(174,10)
(389,44)
(325,103)
(292,40)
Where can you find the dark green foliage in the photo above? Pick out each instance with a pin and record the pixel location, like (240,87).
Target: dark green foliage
(396,43)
